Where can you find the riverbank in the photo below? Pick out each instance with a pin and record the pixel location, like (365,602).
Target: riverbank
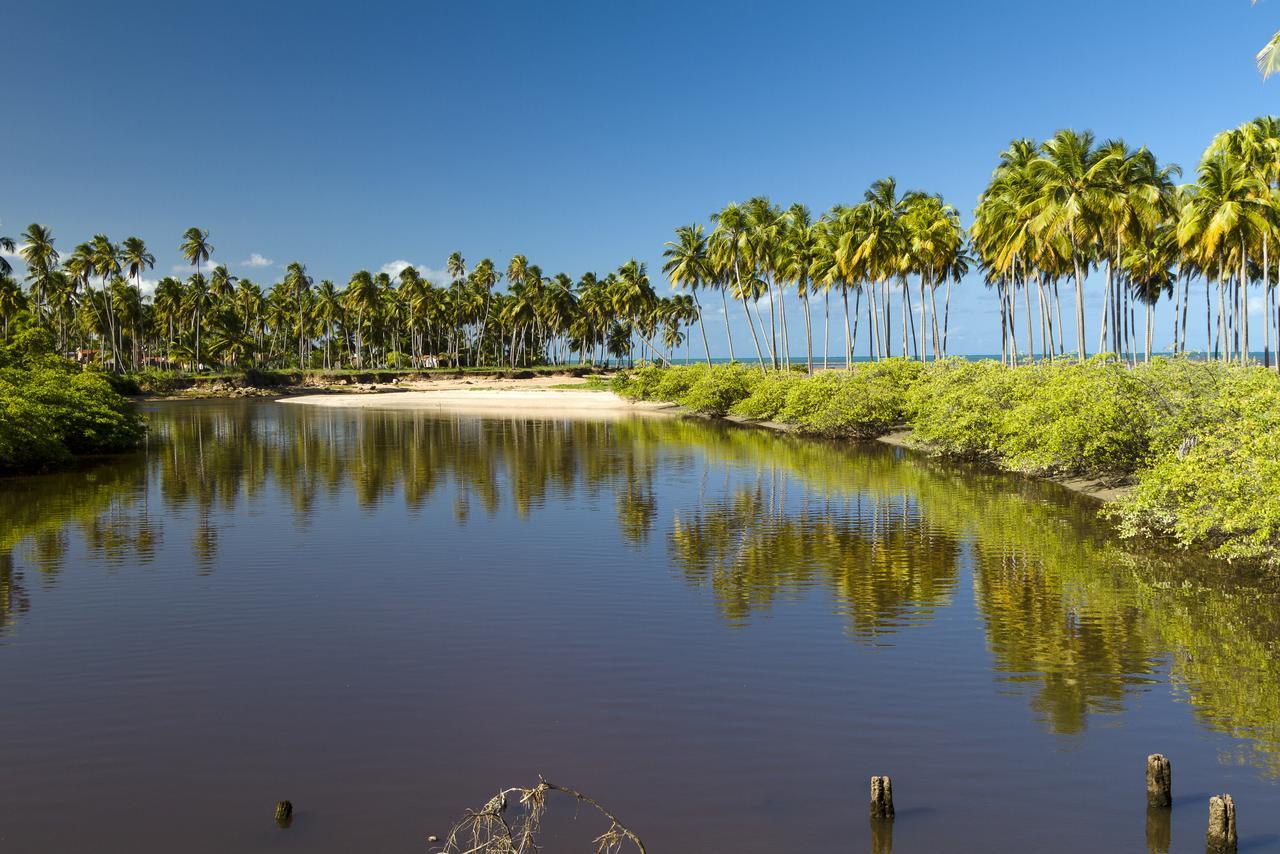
(1183,452)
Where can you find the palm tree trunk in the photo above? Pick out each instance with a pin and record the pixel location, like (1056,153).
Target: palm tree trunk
(808,332)
(1244,305)
(946,318)
(754,339)
(1106,308)
(826,326)
(1079,276)
(701,328)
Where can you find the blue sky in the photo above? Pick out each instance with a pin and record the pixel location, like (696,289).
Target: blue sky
(352,136)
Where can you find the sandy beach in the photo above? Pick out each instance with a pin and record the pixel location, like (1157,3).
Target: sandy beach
(543,395)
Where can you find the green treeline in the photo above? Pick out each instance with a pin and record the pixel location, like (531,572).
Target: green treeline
(1200,442)
(52,410)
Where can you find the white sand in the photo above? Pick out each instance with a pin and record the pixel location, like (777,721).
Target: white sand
(504,401)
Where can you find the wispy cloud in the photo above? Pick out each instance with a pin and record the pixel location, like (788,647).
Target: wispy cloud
(187,269)
(256,260)
(395,268)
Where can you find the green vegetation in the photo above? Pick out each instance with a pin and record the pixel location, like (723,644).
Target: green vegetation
(1199,441)
(52,410)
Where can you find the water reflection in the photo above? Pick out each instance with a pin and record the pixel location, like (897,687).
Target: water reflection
(1074,622)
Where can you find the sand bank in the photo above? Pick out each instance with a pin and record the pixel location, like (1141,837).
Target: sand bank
(507,401)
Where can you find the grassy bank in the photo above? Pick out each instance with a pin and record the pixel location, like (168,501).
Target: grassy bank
(52,411)
(1198,442)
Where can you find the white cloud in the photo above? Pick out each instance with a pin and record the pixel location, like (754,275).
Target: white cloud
(256,260)
(187,269)
(395,268)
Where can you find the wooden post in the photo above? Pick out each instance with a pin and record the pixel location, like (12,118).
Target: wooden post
(1159,781)
(1221,838)
(284,813)
(881,798)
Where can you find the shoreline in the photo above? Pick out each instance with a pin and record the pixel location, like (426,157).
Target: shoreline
(541,397)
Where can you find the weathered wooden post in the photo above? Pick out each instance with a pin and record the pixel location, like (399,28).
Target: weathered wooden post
(284,813)
(1221,838)
(1159,781)
(881,798)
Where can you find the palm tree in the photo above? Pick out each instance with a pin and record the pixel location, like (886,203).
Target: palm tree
(299,285)
(728,245)
(107,264)
(328,310)
(6,245)
(1070,178)
(689,266)
(486,277)
(1229,210)
(195,247)
(12,301)
(1268,58)
(362,298)
(136,260)
(42,261)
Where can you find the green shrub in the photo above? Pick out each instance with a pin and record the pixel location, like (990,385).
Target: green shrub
(51,410)
(768,396)
(637,383)
(862,404)
(719,388)
(1215,478)
(957,407)
(1093,419)
(676,381)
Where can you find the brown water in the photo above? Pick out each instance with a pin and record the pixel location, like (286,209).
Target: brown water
(718,632)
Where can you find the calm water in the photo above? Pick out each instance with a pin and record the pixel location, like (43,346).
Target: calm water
(718,632)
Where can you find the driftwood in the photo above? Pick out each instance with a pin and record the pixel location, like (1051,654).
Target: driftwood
(489,831)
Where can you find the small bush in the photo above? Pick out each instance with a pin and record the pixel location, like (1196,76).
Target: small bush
(768,396)
(676,381)
(720,388)
(957,407)
(637,383)
(861,404)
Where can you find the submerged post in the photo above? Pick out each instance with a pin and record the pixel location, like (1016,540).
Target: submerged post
(1159,781)
(1221,838)
(284,813)
(881,798)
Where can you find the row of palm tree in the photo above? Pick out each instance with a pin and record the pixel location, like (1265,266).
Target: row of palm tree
(1054,214)
(1070,206)
(93,300)
(757,251)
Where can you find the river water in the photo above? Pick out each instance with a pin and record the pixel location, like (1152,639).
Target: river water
(718,632)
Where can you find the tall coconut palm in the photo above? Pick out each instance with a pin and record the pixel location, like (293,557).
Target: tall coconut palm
(729,247)
(41,259)
(299,285)
(1070,177)
(361,298)
(1229,210)
(688,265)
(196,248)
(12,302)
